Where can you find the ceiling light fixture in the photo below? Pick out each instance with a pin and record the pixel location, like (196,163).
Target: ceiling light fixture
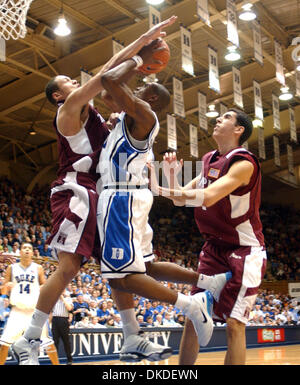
(232,53)
(247,14)
(62,28)
(285,94)
(154,2)
(32,131)
(212,113)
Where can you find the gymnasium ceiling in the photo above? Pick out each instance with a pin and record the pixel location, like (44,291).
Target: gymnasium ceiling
(32,61)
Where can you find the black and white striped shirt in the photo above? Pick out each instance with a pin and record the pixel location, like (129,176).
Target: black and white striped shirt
(60,309)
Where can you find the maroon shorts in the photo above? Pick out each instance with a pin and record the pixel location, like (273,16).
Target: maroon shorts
(247,265)
(74,224)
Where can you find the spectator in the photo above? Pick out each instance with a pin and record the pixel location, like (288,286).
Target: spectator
(149,321)
(110,323)
(94,324)
(140,319)
(83,323)
(169,320)
(103,313)
(81,309)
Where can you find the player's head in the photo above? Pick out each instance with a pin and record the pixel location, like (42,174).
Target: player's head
(26,251)
(233,124)
(155,94)
(59,87)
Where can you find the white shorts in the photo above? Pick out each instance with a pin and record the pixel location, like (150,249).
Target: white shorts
(125,234)
(16,325)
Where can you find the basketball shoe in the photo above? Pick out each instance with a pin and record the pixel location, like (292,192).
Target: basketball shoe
(27,352)
(216,283)
(136,348)
(200,313)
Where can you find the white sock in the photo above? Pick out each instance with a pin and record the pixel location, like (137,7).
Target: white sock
(36,325)
(183,301)
(130,324)
(204,281)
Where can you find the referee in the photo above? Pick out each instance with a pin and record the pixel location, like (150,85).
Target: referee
(60,324)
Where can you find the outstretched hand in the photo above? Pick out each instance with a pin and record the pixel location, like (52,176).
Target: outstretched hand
(171,166)
(147,52)
(157,30)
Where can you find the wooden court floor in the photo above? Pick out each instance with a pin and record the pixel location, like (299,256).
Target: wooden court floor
(277,355)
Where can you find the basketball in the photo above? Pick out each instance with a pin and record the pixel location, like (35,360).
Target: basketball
(163,56)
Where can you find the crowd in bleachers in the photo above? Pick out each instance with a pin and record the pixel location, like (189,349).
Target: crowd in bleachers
(176,239)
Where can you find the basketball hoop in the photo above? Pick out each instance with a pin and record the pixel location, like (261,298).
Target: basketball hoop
(13,18)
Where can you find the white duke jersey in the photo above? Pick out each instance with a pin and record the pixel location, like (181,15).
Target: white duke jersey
(26,289)
(121,162)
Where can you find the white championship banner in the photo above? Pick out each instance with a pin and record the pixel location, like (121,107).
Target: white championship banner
(232,26)
(194,140)
(279,63)
(213,74)
(258,55)
(261,143)
(293,129)
(290,158)
(154,16)
(202,11)
(237,88)
(276,148)
(202,111)
(178,99)
(276,112)
(297,83)
(258,107)
(172,133)
(186,51)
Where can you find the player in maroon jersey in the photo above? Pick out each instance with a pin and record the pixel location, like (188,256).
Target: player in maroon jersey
(81,133)
(226,197)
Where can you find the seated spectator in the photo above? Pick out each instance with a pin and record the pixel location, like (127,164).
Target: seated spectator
(117,320)
(140,319)
(180,319)
(110,323)
(81,309)
(46,251)
(83,323)
(169,320)
(93,308)
(94,324)
(149,321)
(103,313)
(158,320)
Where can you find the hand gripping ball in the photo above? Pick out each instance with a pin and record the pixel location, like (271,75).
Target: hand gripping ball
(162,55)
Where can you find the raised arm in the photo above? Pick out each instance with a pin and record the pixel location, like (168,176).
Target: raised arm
(238,175)
(93,87)
(114,81)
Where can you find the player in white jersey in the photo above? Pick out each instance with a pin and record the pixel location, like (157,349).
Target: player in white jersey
(23,280)
(125,202)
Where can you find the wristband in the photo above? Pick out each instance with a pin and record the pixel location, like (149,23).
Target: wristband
(4,296)
(138,60)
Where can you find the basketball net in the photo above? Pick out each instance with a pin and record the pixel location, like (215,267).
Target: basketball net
(13,18)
